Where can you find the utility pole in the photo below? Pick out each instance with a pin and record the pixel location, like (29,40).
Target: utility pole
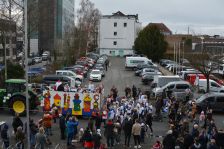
(174,50)
(26,68)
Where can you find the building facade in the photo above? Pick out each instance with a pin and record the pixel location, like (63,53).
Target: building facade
(7,31)
(56,17)
(117,33)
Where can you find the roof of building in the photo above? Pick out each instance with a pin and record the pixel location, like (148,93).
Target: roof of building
(162,27)
(120,14)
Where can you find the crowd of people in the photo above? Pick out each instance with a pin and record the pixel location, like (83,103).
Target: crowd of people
(123,118)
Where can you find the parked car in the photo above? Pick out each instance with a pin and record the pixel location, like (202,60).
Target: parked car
(95,75)
(213,86)
(214,100)
(102,69)
(149,77)
(69,73)
(82,69)
(38,59)
(35,71)
(176,86)
(52,79)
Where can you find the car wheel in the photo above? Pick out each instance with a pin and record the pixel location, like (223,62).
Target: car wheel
(221,91)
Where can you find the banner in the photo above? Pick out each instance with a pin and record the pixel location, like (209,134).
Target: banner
(72,102)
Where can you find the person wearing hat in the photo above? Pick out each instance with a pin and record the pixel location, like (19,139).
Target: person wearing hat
(5,136)
(62,126)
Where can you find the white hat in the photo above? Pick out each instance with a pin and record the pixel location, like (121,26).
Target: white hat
(98,130)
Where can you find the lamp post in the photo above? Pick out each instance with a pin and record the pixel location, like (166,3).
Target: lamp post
(26,75)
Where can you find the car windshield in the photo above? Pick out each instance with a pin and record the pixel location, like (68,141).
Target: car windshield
(95,72)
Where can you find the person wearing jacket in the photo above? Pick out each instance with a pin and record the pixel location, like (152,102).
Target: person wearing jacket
(88,139)
(136,131)
(47,123)
(169,140)
(16,122)
(109,133)
(20,137)
(98,121)
(70,131)
(40,138)
(127,126)
(62,126)
(96,139)
(5,136)
(33,131)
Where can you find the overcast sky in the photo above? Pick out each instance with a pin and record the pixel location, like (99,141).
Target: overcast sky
(202,16)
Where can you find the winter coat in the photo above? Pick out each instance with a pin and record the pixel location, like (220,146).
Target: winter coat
(98,121)
(213,146)
(47,120)
(136,129)
(16,123)
(4,134)
(33,128)
(127,127)
(62,122)
(87,136)
(219,139)
(169,142)
(188,141)
(96,140)
(71,127)
(40,140)
(109,129)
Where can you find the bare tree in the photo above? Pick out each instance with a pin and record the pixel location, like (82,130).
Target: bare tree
(205,62)
(88,19)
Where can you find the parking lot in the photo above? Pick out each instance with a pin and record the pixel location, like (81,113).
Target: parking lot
(118,76)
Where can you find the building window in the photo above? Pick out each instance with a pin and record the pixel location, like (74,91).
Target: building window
(115,42)
(115,24)
(115,33)
(125,24)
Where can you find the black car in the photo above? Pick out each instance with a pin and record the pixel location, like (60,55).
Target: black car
(147,78)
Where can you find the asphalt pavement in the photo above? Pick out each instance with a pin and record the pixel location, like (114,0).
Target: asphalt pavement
(120,78)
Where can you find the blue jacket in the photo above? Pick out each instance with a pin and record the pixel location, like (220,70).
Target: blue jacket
(71,127)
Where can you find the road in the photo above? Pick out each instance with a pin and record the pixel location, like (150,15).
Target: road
(119,77)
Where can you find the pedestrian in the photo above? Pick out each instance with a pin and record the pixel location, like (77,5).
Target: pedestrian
(16,122)
(169,140)
(136,131)
(143,130)
(104,115)
(109,133)
(149,122)
(97,139)
(40,138)
(134,91)
(47,123)
(88,139)
(212,144)
(76,121)
(98,121)
(20,137)
(55,113)
(117,131)
(33,132)
(70,131)
(127,127)
(195,131)
(62,126)
(188,140)
(91,124)
(5,135)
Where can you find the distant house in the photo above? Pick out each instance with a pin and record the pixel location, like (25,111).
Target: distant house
(163,28)
(117,33)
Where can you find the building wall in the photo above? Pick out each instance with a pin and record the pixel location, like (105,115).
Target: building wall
(116,52)
(125,35)
(8,29)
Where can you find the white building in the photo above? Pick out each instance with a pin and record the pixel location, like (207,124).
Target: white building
(117,33)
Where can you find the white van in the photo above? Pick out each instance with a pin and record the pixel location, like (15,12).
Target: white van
(69,73)
(213,86)
(132,62)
